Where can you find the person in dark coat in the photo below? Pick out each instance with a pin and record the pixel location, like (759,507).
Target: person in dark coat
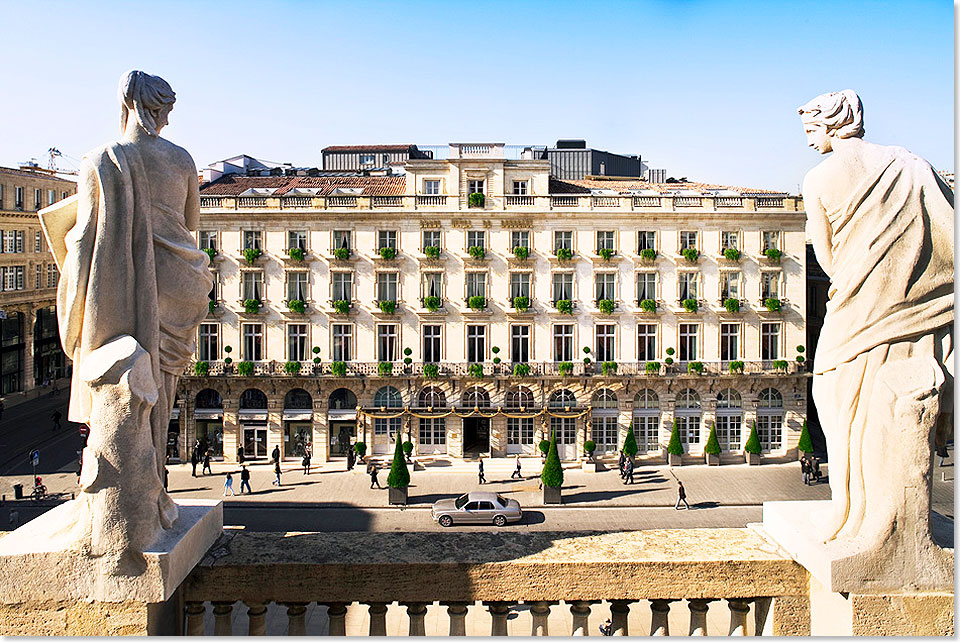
(622,464)
(206,462)
(56,419)
(306,463)
(805,471)
(681,496)
(194,460)
(276,471)
(516,474)
(373,476)
(276,454)
(482,479)
(245,480)
(351,459)
(628,471)
(241,455)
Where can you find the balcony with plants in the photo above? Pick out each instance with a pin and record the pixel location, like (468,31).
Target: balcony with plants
(520,256)
(251,257)
(386,307)
(647,255)
(341,307)
(476,305)
(432,306)
(520,306)
(476,254)
(562,256)
(251,308)
(604,255)
(341,254)
(296,257)
(386,254)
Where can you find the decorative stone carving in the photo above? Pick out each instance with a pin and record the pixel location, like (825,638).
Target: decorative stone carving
(881,222)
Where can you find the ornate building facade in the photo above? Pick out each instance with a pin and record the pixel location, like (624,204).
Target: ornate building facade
(475,305)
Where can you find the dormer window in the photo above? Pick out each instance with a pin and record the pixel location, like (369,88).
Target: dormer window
(368,159)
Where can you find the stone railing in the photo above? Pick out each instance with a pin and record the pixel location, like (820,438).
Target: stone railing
(656,582)
(625,203)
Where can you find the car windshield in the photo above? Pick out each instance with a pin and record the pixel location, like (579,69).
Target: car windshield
(502,500)
(461,501)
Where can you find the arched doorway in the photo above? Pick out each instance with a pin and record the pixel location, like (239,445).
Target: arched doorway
(432,431)
(385,429)
(297,423)
(519,405)
(687,413)
(208,415)
(476,429)
(770,419)
(646,420)
(565,428)
(604,420)
(729,419)
(253,423)
(341,421)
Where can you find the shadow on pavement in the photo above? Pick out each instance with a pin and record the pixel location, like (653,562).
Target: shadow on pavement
(705,505)
(187,490)
(600,495)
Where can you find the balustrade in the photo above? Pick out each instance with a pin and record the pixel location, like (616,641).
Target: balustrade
(768,201)
(518,200)
(431,201)
(564,201)
(251,202)
(288,202)
(341,201)
(386,201)
(211,201)
(646,201)
(687,201)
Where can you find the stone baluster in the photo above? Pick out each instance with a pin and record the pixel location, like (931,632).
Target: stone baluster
(659,612)
(738,616)
(761,612)
(698,616)
(296,618)
(222,612)
(337,615)
(416,611)
(619,610)
(541,613)
(257,618)
(457,612)
(498,616)
(580,610)
(195,614)
(378,618)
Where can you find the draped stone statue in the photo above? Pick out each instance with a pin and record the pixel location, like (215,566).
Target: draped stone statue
(133,290)
(881,223)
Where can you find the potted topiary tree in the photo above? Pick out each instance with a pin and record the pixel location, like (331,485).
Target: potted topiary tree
(399,478)
(407,450)
(630,443)
(361,449)
(751,450)
(543,447)
(805,445)
(712,450)
(552,475)
(675,448)
(590,465)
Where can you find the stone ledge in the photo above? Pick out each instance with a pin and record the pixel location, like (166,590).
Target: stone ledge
(388,567)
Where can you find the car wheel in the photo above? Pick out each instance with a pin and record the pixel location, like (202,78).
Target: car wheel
(500,520)
(446,521)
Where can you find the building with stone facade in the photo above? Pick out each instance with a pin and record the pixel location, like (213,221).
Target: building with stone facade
(30,351)
(351,308)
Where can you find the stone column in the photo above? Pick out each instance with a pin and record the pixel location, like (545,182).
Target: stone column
(498,617)
(337,614)
(188,423)
(321,432)
(457,612)
(222,614)
(584,432)
(232,431)
(498,436)
(296,618)
(619,611)
(738,617)
(667,416)
(275,427)
(454,436)
(541,615)
(257,617)
(625,422)
(195,615)
(378,618)
(416,612)
(698,617)
(659,617)
(708,418)
(580,610)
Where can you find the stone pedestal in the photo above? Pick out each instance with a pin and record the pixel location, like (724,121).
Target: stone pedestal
(59,591)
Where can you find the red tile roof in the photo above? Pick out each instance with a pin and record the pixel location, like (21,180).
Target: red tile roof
(583,186)
(367,148)
(233,184)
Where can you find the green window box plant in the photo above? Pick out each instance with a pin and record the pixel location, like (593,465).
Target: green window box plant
(695,367)
(387,307)
(691,254)
(296,254)
(212,306)
(605,253)
(432,251)
(609,368)
(385,368)
(521,252)
(211,252)
(338,368)
(251,306)
(476,252)
(736,367)
(251,254)
(731,254)
(387,253)
(773,254)
(476,199)
(341,253)
(564,254)
(342,306)
(690,305)
(648,305)
(292,367)
(648,254)
(521,303)
(565,306)
(477,302)
(607,306)
(201,368)
(297,306)
(565,368)
(521,370)
(475,370)
(245,368)
(780,364)
(652,367)
(431,370)
(731,305)
(431,303)
(771,304)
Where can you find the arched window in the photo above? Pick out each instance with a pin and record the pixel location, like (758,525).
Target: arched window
(770,398)
(646,420)
(688,400)
(729,398)
(388,397)
(209,398)
(298,399)
(604,400)
(519,397)
(253,399)
(563,399)
(342,399)
(688,416)
(431,397)
(476,397)
(646,399)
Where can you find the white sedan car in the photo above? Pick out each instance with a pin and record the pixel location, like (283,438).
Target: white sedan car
(477,508)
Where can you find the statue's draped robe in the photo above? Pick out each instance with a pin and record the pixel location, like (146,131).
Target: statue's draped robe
(891,298)
(131,268)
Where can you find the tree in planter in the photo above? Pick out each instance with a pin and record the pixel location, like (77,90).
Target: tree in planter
(341,253)
(565,368)
(652,367)
(387,307)
(251,306)
(695,367)
(388,253)
(753,441)
(521,303)
(476,199)
(477,302)
(564,254)
(431,303)
(565,306)
(297,306)
(228,349)
(552,474)
(432,252)
(713,444)
(731,254)
(690,305)
(338,368)
(385,368)
(586,360)
(316,356)
(211,252)
(648,305)
(691,254)
(432,370)
(341,306)
(475,370)
(292,367)
(800,357)
(648,254)
(589,447)
(736,367)
(245,368)
(675,447)
(805,445)
(606,306)
(476,252)
(202,369)
(609,368)
(521,252)
(296,254)
(212,306)
(731,305)
(771,304)
(630,443)
(251,254)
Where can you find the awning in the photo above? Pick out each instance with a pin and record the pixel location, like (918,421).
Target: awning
(342,415)
(298,415)
(253,415)
(208,413)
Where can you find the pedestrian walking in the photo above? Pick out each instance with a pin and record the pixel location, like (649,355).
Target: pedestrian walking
(241,455)
(206,462)
(628,471)
(482,479)
(622,463)
(245,480)
(805,471)
(516,473)
(681,496)
(815,470)
(2,408)
(373,476)
(306,463)
(351,459)
(276,454)
(276,472)
(942,453)
(194,460)
(56,419)
(228,485)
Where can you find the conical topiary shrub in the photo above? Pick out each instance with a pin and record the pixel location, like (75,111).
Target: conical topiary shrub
(712,449)
(630,443)
(399,477)
(752,448)
(675,448)
(552,474)
(805,445)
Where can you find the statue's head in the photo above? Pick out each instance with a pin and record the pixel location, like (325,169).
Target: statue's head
(838,114)
(150,98)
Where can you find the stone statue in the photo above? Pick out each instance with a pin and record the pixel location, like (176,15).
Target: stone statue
(133,290)
(881,223)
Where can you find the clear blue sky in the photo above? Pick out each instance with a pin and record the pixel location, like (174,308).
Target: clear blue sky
(707,90)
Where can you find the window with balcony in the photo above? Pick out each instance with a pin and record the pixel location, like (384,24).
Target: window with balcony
(208,342)
(605,350)
(520,284)
(563,342)
(520,343)
(252,286)
(476,284)
(729,341)
(431,238)
(521,188)
(341,286)
(386,342)
(431,343)
(688,284)
(431,186)
(770,241)
(606,240)
(769,285)
(342,342)
(688,240)
(729,285)
(562,240)
(687,349)
(605,286)
(729,240)
(342,240)
(386,239)
(562,286)
(646,240)
(252,239)
(296,286)
(388,286)
(297,239)
(476,343)
(646,286)
(208,240)
(476,238)
(520,238)
(475,187)
(432,284)
(252,342)
(770,341)
(297,342)
(646,342)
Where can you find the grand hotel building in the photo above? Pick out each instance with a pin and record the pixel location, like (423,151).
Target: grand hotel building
(348,308)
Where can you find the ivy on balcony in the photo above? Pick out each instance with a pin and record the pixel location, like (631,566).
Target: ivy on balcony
(736,367)
(606,306)
(385,368)
(521,252)
(521,303)
(338,368)
(431,370)
(695,367)
(388,253)
(772,304)
(564,253)
(211,252)
(251,254)
(297,306)
(341,253)
(476,252)
(565,368)
(387,307)
(475,370)
(773,254)
(245,368)
(521,370)
(251,306)
(476,199)
(201,368)
(648,254)
(296,254)
(431,303)
(432,251)
(564,306)
(609,368)
(691,254)
(731,305)
(292,367)
(477,303)
(648,305)
(652,367)
(690,305)
(731,254)
(605,253)
(342,306)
